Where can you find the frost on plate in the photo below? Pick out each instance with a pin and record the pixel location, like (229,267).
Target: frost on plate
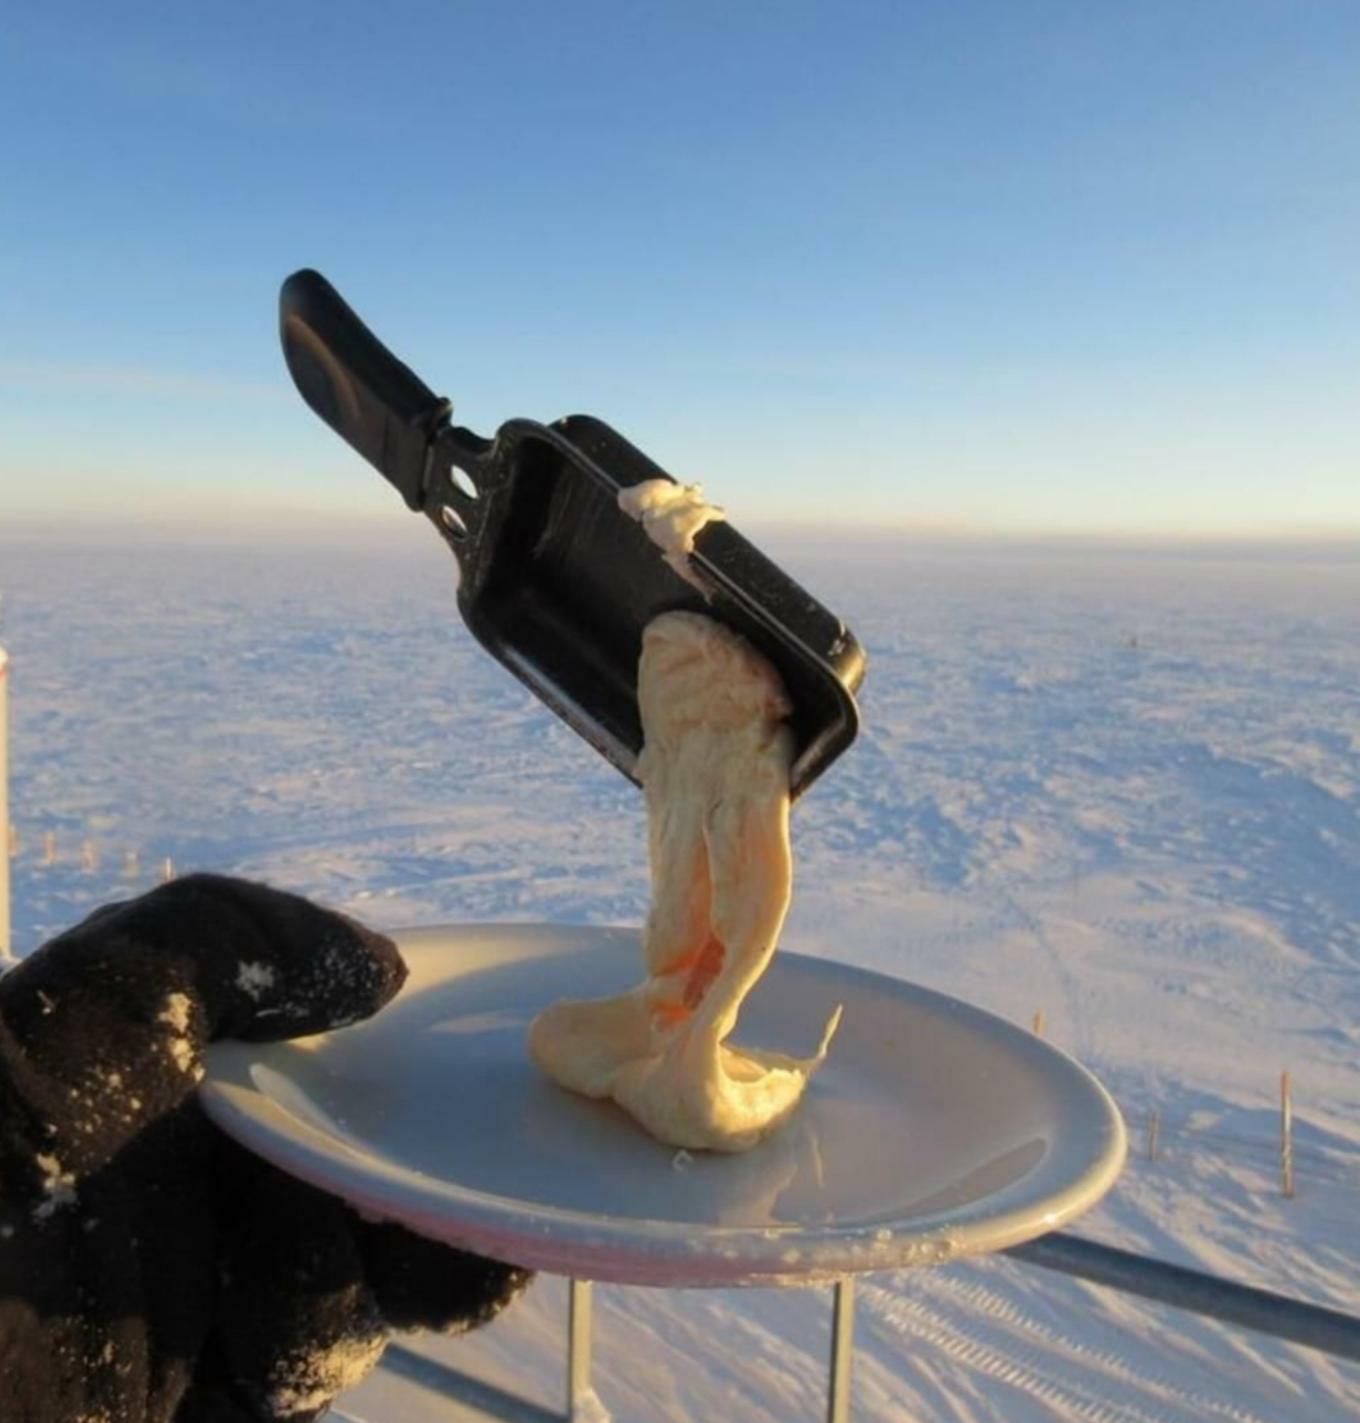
(715,771)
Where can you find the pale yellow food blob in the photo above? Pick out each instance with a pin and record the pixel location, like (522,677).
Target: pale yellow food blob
(715,772)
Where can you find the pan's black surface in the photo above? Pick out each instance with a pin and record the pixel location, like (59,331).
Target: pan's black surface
(556,581)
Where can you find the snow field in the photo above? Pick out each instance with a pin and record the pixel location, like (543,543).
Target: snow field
(1120,790)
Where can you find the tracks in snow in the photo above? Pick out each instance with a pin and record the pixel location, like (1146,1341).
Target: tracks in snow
(993,1334)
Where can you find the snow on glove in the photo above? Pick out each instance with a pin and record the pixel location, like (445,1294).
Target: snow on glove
(150,1269)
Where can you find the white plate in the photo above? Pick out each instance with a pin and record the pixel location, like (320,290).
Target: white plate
(934,1130)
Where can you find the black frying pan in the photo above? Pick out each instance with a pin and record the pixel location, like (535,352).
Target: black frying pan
(557,582)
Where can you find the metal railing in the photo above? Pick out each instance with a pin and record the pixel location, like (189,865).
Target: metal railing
(1263,1311)
(1315,1327)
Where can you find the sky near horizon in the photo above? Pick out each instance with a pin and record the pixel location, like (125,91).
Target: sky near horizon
(1049,267)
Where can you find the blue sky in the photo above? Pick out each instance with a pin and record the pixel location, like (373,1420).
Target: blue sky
(1021,266)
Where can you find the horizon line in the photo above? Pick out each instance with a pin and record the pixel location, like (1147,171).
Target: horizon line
(276,526)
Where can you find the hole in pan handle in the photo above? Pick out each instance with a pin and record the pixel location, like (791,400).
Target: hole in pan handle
(357,386)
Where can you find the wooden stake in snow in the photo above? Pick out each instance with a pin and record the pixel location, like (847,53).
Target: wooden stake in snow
(1286,1135)
(167,870)
(1154,1129)
(4,806)
(1039,1023)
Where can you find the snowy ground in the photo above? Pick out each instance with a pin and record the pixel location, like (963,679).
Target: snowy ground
(1121,790)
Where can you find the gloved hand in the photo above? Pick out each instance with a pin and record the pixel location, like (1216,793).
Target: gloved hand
(150,1269)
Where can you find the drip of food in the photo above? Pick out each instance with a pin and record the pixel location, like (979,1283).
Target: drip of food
(715,772)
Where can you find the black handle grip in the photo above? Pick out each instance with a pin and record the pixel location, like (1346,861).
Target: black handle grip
(356,385)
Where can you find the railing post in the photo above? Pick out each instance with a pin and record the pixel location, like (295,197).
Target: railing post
(579,1321)
(842,1351)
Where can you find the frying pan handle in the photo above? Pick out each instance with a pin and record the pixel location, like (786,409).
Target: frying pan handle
(357,386)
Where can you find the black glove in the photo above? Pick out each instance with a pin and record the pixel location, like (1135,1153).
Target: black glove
(150,1269)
